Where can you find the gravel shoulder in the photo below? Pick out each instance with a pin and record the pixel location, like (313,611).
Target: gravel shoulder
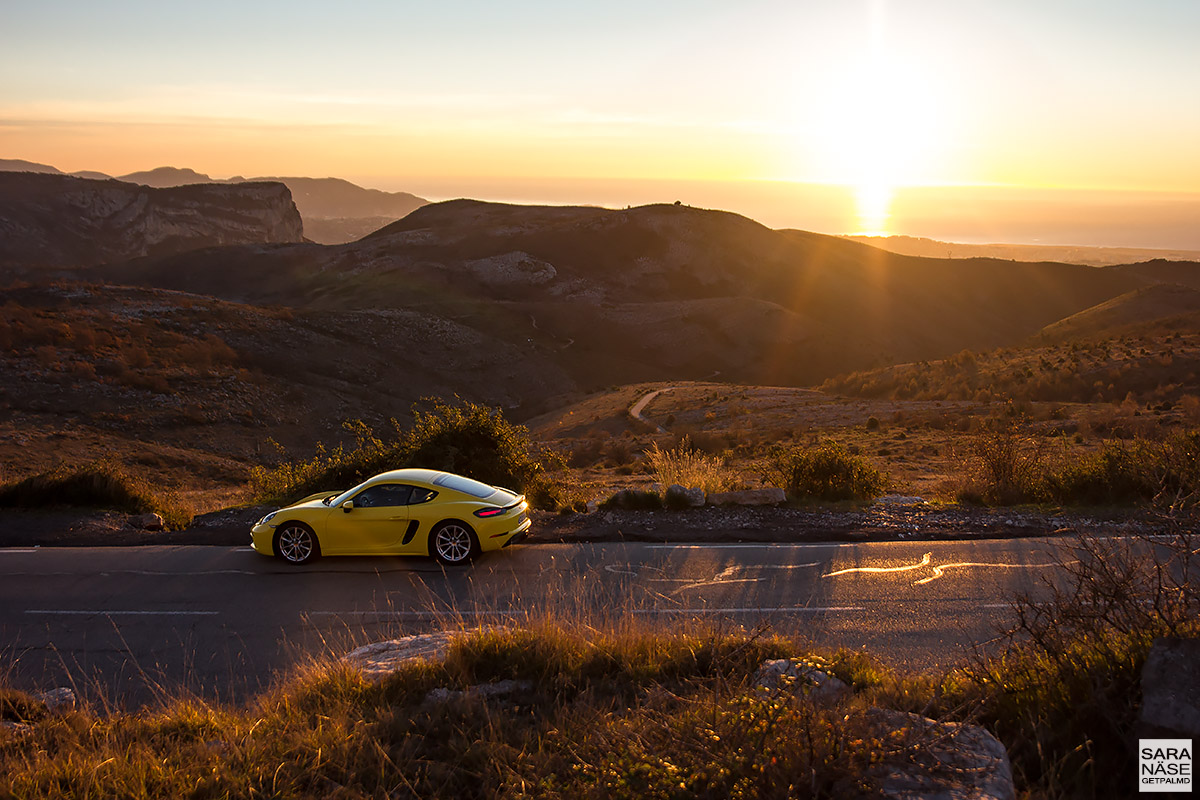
(906,519)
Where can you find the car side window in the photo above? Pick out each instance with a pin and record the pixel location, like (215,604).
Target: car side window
(383,495)
(421,495)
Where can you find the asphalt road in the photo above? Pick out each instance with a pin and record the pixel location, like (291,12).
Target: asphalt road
(221,621)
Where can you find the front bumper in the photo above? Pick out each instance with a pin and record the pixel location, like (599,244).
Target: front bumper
(262,538)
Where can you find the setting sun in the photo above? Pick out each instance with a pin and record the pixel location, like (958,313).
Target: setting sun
(882,126)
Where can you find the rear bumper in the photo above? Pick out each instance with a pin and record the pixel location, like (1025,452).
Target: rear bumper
(506,538)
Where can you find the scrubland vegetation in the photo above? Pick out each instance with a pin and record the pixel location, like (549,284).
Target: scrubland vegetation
(618,709)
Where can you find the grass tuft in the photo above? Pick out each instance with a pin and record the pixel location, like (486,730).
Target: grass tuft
(689,467)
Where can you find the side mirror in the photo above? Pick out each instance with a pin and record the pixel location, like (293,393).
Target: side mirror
(348,506)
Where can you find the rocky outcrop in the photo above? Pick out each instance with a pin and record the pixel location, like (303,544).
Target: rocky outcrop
(62,221)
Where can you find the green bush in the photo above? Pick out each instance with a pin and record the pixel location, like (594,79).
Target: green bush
(1119,474)
(1006,469)
(465,438)
(475,441)
(100,485)
(826,472)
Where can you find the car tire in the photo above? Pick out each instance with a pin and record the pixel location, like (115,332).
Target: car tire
(296,543)
(453,543)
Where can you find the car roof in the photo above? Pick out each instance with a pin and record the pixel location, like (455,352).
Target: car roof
(407,476)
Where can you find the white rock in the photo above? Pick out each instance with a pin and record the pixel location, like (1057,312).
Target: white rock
(382,658)
(60,699)
(794,675)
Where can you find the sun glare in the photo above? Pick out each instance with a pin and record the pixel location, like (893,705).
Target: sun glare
(879,128)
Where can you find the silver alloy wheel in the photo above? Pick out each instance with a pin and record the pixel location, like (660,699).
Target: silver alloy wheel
(296,544)
(453,543)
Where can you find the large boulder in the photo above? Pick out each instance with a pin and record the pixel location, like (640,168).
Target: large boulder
(929,760)
(1171,689)
(678,496)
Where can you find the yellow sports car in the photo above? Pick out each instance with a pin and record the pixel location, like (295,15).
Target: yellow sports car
(404,512)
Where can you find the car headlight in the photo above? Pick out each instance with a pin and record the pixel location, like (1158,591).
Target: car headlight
(267,518)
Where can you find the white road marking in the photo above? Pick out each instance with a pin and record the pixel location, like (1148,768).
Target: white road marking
(108,613)
(938,569)
(874,570)
(8,550)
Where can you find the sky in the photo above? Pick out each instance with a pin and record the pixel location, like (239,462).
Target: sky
(849,116)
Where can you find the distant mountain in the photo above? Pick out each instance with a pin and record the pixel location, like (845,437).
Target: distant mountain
(58,220)
(342,211)
(1093,256)
(654,293)
(334,198)
(92,175)
(20,165)
(165,177)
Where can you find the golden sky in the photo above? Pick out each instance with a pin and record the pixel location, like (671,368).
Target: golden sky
(871,96)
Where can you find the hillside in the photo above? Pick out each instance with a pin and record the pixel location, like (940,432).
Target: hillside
(51,220)
(192,387)
(1163,306)
(1142,347)
(654,293)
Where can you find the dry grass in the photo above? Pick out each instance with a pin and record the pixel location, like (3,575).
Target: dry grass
(689,467)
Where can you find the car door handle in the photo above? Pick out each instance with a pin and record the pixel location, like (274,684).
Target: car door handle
(397,518)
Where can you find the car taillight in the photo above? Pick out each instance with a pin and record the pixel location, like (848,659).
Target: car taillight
(490,512)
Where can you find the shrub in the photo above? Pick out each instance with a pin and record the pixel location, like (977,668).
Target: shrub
(101,485)
(826,472)
(1119,473)
(473,440)
(689,467)
(1006,469)
(465,438)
